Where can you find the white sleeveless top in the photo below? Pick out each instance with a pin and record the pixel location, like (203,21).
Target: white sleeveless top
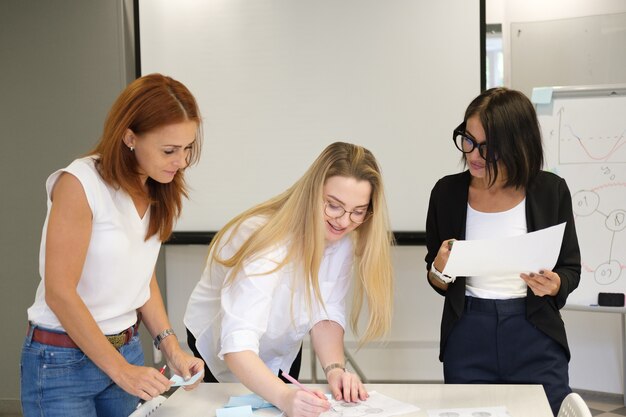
(115,280)
(481,225)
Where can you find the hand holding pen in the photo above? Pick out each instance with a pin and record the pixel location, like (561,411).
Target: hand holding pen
(306,402)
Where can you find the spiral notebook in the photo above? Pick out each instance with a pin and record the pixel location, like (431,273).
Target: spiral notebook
(149,407)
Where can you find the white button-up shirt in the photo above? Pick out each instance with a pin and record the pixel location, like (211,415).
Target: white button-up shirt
(262,311)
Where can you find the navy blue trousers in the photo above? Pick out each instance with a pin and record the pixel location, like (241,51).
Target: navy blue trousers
(493,343)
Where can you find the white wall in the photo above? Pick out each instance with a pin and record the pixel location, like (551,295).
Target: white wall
(596,347)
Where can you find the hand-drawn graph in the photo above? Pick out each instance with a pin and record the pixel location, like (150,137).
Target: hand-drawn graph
(585,137)
(584,134)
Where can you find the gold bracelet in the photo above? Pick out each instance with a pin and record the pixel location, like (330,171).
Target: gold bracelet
(334,366)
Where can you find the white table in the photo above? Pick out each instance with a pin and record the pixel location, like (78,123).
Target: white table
(520,400)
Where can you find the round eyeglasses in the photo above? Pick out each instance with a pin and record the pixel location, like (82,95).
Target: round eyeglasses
(335,211)
(466,144)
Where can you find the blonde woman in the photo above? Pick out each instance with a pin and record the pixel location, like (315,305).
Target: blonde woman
(282,269)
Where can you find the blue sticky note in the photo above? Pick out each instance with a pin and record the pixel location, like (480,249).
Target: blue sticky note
(252,400)
(541,95)
(178,380)
(243,411)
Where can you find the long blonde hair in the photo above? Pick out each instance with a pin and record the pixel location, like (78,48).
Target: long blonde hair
(296,216)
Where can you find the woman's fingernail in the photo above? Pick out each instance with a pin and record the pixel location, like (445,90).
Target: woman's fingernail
(541,272)
(532,274)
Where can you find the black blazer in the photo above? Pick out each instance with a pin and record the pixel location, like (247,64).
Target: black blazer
(548,203)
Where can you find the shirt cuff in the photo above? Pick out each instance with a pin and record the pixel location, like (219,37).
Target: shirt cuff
(239,341)
(340,321)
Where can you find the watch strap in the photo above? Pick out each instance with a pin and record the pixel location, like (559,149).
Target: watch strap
(446,279)
(159,337)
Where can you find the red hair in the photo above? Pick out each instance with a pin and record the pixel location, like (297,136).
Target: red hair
(147,103)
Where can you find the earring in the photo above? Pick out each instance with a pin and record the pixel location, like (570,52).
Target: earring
(132,148)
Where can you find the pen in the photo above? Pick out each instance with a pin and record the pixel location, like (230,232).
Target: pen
(295,382)
(162,371)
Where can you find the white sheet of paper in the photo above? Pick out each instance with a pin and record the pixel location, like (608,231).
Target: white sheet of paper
(512,255)
(377,405)
(241,411)
(179,381)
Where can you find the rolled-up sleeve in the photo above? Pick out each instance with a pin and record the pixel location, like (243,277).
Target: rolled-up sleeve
(246,306)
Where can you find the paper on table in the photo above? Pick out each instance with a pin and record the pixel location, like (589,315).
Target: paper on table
(512,255)
(179,381)
(378,404)
(252,400)
(242,411)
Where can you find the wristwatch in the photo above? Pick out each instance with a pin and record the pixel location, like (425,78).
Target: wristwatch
(444,279)
(159,337)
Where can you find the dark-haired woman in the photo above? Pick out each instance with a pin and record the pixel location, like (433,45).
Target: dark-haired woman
(502,328)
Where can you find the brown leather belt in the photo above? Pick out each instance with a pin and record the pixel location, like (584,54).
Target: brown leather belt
(64,340)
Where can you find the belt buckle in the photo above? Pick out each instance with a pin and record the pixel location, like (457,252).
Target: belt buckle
(117,340)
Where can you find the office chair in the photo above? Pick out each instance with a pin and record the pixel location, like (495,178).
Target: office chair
(574,406)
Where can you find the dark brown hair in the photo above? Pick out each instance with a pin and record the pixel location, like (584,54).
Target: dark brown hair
(512,134)
(147,103)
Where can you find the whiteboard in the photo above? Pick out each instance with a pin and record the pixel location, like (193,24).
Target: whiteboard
(588,50)
(279,80)
(584,133)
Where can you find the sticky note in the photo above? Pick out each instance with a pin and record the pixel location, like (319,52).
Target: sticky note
(179,381)
(252,400)
(541,95)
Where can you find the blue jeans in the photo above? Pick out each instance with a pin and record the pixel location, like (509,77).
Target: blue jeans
(63,382)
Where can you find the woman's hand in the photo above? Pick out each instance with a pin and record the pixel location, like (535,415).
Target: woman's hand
(544,283)
(181,363)
(443,254)
(439,263)
(346,386)
(301,403)
(141,381)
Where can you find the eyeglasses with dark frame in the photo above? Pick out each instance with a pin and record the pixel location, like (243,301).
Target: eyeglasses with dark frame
(465,143)
(336,211)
